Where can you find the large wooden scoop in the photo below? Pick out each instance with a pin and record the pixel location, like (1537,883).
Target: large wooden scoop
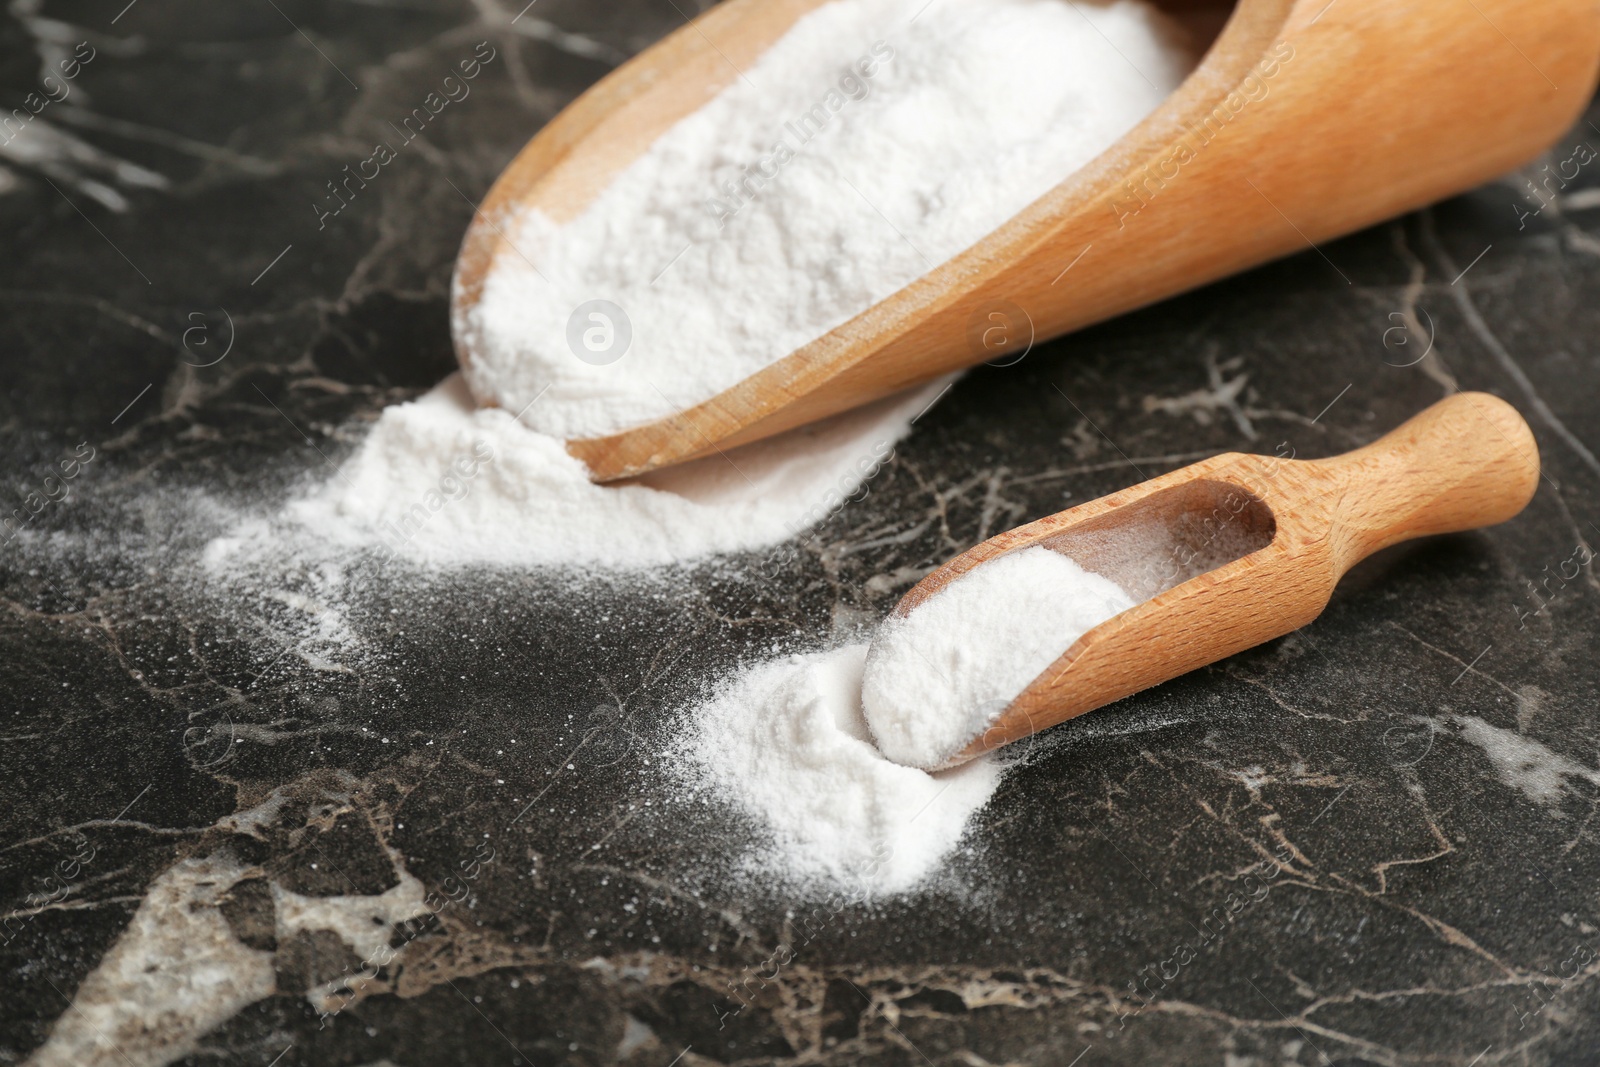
(1305,120)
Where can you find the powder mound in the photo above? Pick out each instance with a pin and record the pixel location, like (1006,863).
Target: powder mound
(786,743)
(937,678)
(872,142)
(440,482)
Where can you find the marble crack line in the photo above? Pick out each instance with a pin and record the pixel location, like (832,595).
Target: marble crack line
(904,536)
(78,889)
(1588,573)
(240,162)
(96,824)
(1508,363)
(64,906)
(1582,832)
(1445,846)
(1219,394)
(1169,460)
(98,304)
(1234,672)
(1432,364)
(994,504)
(1381,870)
(1521,981)
(503,21)
(1383,1054)
(1447,933)
(1305,878)
(942,501)
(1454,659)
(1198,801)
(737,622)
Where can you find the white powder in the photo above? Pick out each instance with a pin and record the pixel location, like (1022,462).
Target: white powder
(749,229)
(439,482)
(785,741)
(938,677)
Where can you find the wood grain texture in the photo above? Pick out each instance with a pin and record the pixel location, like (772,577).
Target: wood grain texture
(1239,549)
(1305,120)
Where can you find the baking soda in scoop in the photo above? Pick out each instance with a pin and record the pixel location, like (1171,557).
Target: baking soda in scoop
(873,141)
(936,678)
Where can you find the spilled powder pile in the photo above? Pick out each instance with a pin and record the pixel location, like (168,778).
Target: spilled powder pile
(439,482)
(872,142)
(785,743)
(938,677)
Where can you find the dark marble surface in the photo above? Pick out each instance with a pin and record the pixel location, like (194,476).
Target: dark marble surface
(1371,842)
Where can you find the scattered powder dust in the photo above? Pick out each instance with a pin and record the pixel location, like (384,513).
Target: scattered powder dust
(872,142)
(938,677)
(786,743)
(439,482)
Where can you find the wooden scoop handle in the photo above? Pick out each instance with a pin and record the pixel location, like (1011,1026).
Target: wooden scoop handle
(1468,461)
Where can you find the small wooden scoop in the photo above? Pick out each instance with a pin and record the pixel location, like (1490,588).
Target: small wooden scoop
(1306,119)
(1238,549)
